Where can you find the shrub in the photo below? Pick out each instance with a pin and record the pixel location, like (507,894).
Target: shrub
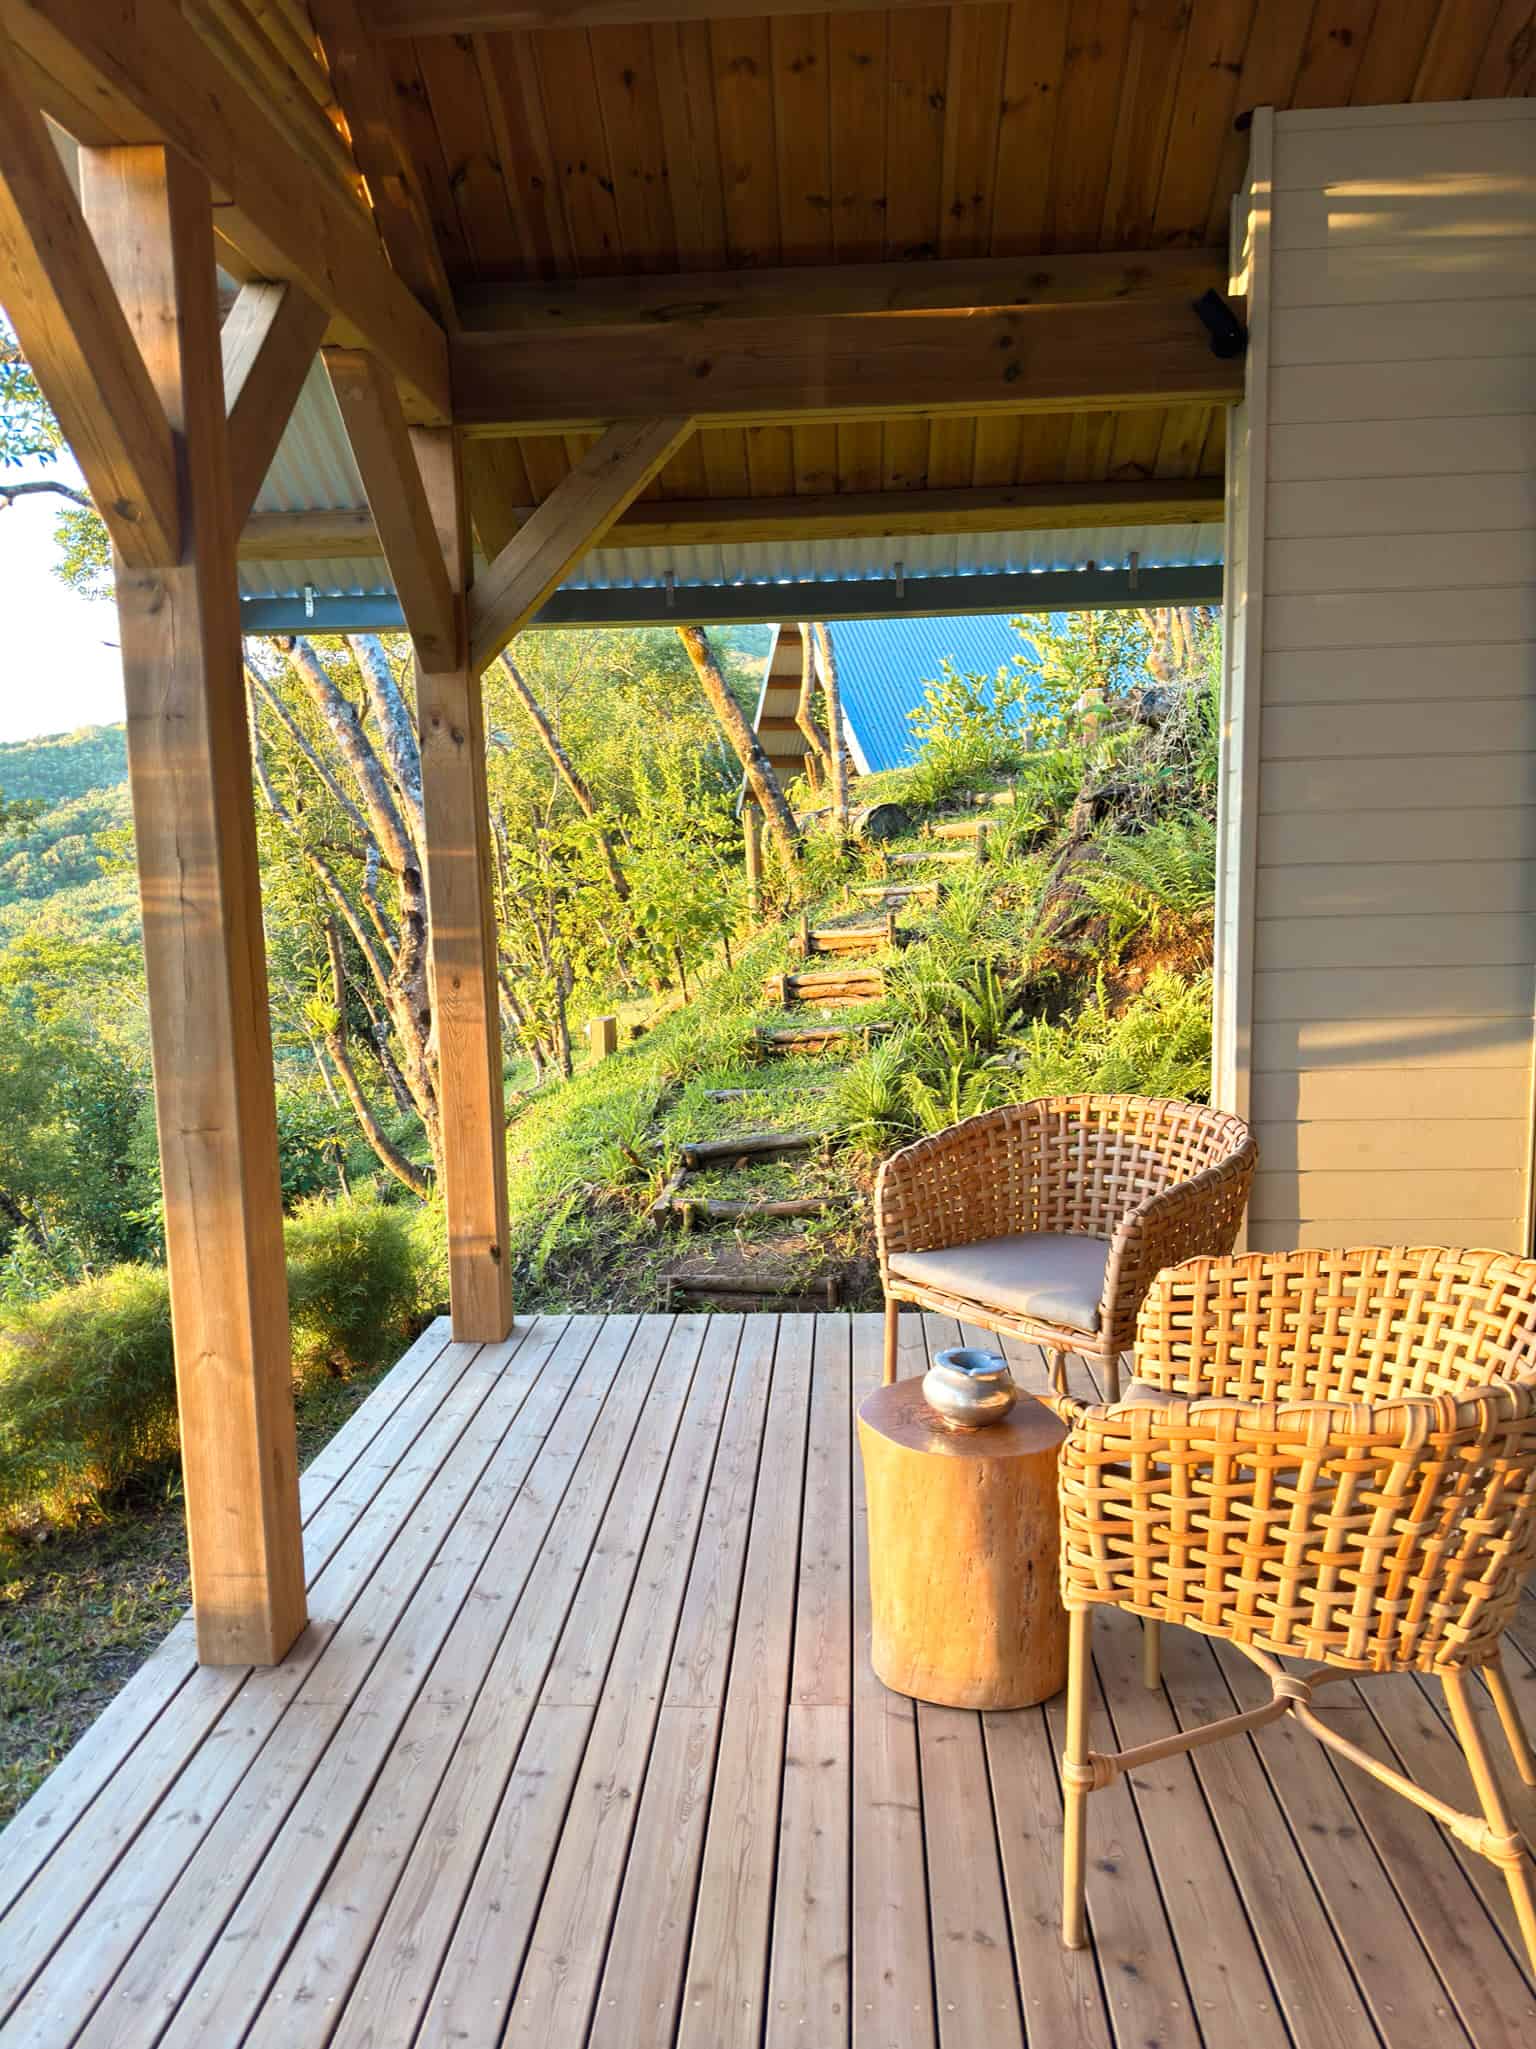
(87,1373)
(354,1283)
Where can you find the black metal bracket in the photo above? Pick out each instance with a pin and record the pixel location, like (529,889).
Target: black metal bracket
(1229,337)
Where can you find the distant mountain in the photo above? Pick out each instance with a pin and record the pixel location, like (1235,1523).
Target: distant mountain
(61,766)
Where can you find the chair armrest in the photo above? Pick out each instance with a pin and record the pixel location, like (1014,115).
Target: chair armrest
(970,1181)
(1196,1218)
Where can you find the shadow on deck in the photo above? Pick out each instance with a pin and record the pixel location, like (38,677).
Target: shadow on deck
(582,1746)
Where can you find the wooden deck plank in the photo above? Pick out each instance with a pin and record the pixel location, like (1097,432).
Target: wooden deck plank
(892,1976)
(40,1825)
(809,1992)
(725,1989)
(222,1930)
(211,1756)
(415,1889)
(761,1449)
(557,1990)
(584,1748)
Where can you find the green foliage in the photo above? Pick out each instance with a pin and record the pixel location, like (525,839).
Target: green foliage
(64,765)
(87,1373)
(1088,661)
(1172,863)
(56,848)
(354,1282)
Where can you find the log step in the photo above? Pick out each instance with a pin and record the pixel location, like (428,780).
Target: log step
(749,1145)
(819,1038)
(825,1291)
(899,892)
(922,859)
(700,1209)
(960,829)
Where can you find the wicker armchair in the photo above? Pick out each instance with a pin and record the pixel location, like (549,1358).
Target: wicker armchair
(1048,1220)
(1327,1455)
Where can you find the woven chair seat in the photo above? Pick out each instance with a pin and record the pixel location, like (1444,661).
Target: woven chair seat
(1051,1276)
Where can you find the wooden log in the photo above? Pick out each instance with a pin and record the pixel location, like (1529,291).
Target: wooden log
(662,1206)
(934,854)
(712,1210)
(874,823)
(900,891)
(816,1039)
(750,1144)
(803,932)
(776,989)
(956,828)
(768,1287)
(603,1036)
(966,1604)
(752,1095)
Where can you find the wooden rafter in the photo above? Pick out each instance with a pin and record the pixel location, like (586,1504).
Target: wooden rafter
(407,532)
(368,100)
(145,79)
(954,284)
(571,520)
(1046,359)
(268,342)
(75,335)
(847,515)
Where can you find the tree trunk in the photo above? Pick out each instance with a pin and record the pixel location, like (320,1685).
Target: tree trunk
(569,774)
(756,766)
(805,715)
(837,751)
(336,1044)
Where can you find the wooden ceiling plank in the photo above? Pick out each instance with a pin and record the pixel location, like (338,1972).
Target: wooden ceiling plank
(860,445)
(76,336)
(579,150)
(564,527)
(904,454)
(461,17)
(1098,43)
(515,99)
(839,515)
(815,449)
(950,284)
(802,119)
(269,339)
(1508,65)
(996,458)
(1043,443)
(423,146)
(288,220)
(1133,451)
(1334,49)
(952,453)
(1206,102)
(857,54)
(1394,50)
(1456,44)
(738,373)
(631,109)
(978,43)
(742,56)
(771,463)
(1159,29)
(1026,136)
(1089,441)
(456,94)
(370,105)
(1271,60)
(727,465)
(685,86)
(407,529)
(916,83)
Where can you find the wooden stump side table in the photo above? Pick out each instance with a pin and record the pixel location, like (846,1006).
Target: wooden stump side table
(965,1591)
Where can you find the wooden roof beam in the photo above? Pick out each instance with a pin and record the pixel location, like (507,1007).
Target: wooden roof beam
(269,339)
(404,520)
(572,519)
(738,372)
(75,334)
(846,515)
(143,76)
(949,284)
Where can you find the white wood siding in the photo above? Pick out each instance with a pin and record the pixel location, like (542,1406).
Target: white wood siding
(1377,921)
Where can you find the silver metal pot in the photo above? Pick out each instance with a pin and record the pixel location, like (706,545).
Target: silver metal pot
(967,1388)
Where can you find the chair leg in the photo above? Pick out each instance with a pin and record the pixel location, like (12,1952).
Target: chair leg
(1059,1372)
(1517,1869)
(1151,1653)
(1112,1376)
(1076,1779)
(892,1318)
(1496,1679)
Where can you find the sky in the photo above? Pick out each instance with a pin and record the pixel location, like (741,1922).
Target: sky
(59,662)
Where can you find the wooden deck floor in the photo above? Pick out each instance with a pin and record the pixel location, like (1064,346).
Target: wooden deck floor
(583,1747)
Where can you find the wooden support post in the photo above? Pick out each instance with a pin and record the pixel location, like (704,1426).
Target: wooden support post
(190,773)
(752,830)
(603,1037)
(837,739)
(462,914)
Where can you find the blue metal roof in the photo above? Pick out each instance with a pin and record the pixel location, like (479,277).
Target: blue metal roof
(883,665)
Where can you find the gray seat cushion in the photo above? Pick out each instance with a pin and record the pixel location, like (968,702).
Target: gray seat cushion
(1052,1276)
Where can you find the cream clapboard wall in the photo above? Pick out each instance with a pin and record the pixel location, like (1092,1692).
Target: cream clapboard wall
(1377,854)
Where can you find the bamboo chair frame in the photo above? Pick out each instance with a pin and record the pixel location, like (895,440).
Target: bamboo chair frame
(1161,1180)
(1346,1473)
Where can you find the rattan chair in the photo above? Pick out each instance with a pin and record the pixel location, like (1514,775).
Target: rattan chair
(1048,1220)
(1332,1457)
